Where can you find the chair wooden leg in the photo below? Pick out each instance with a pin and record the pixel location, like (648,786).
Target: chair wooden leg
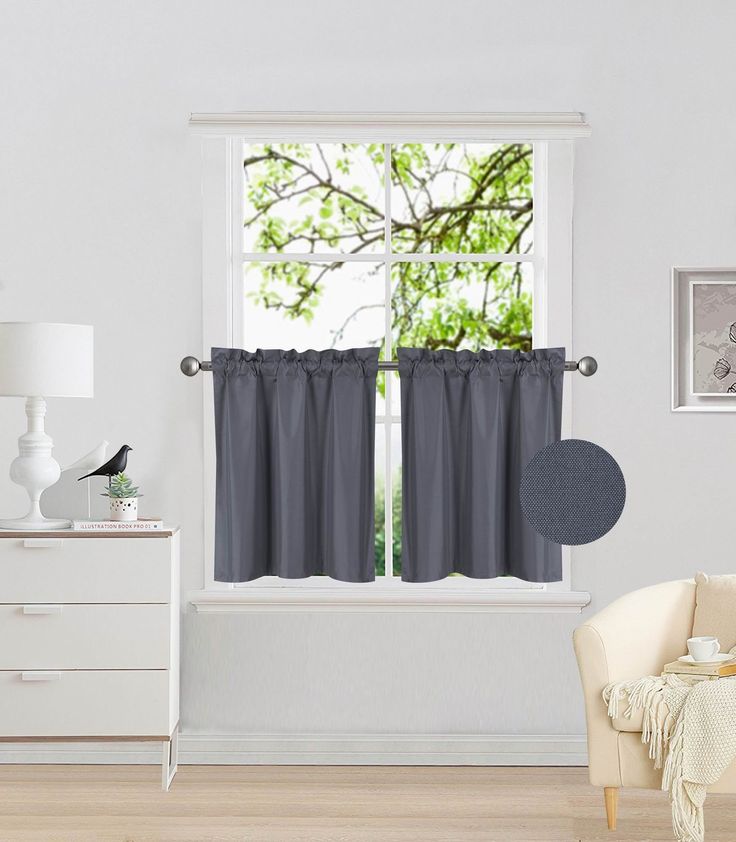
(610,795)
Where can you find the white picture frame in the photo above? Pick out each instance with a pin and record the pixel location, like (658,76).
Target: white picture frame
(692,389)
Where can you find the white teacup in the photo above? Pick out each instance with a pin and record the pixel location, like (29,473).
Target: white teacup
(703,648)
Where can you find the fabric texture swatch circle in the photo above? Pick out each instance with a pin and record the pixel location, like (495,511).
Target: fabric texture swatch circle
(572,492)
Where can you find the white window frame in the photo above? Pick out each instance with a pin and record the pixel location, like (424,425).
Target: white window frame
(222,272)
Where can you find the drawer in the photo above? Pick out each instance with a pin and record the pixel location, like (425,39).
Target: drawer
(44,637)
(85,570)
(85,703)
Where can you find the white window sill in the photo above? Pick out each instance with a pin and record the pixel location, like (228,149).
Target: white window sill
(387,599)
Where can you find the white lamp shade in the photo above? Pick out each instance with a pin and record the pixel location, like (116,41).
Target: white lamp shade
(38,359)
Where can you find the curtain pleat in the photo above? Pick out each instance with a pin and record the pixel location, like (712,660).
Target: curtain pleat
(471,422)
(295,440)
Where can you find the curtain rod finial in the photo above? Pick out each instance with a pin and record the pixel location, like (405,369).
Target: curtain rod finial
(189,366)
(587,366)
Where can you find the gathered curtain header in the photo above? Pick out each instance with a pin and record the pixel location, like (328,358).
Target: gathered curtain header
(354,362)
(419,362)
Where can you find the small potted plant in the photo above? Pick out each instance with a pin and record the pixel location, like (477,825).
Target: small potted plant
(123,497)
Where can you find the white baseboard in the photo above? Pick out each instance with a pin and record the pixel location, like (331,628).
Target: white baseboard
(322,749)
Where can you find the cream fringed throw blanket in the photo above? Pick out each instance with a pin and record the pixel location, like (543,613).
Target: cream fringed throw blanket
(690,727)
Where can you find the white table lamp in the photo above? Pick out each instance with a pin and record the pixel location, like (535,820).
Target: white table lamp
(37,361)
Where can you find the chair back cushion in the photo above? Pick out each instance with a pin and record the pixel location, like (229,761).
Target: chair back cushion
(715,609)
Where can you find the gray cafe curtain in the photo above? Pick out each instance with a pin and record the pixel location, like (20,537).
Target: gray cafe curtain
(470,424)
(295,439)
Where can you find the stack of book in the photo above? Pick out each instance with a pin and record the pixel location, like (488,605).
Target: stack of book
(142,525)
(703,670)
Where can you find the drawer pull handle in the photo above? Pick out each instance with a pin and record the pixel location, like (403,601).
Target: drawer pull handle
(41,543)
(40,675)
(42,609)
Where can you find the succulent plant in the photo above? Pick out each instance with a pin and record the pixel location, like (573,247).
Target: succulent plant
(121,486)
(732,332)
(732,388)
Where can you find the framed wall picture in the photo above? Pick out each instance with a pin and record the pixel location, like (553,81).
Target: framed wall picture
(704,340)
(713,337)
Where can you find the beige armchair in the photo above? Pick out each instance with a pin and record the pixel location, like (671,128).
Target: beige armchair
(634,636)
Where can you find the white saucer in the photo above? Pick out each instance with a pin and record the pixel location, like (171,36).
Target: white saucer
(715,659)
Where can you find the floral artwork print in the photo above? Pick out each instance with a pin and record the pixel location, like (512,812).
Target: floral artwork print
(714,338)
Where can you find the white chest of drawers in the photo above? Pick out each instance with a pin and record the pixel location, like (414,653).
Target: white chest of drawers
(89,638)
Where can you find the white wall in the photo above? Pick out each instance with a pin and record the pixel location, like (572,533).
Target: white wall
(99,223)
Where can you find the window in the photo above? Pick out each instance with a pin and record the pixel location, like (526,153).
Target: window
(312,240)
(353,244)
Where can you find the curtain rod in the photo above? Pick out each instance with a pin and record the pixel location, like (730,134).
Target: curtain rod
(585,365)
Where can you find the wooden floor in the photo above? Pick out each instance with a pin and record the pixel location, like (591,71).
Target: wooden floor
(329,804)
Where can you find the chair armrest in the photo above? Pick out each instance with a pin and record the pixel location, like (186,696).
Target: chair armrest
(603,764)
(634,636)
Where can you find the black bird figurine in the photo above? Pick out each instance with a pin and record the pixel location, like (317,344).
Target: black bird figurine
(113,466)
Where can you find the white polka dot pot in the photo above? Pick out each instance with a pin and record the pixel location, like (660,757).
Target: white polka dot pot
(123,508)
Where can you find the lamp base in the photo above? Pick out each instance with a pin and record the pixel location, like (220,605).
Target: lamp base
(36,470)
(31,524)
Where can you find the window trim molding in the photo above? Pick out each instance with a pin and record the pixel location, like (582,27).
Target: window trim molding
(388,127)
(222,266)
(396,597)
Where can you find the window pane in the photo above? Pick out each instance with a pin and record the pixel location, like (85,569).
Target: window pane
(395,392)
(313,305)
(313,197)
(380,498)
(396,495)
(461,198)
(462,305)
(380,512)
